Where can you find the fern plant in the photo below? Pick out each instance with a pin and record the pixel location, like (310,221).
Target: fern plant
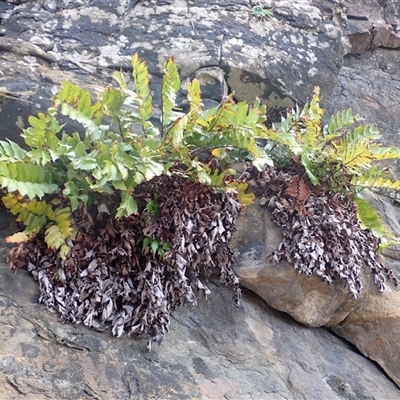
(117,149)
(342,155)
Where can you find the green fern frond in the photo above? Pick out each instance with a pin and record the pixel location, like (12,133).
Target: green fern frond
(11,152)
(111,101)
(356,157)
(231,126)
(310,168)
(257,114)
(369,218)
(29,189)
(42,133)
(26,179)
(59,230)
(176,131)
(76,103)
(340,121)
(33,213)
(170,87)
(375,183)
(141,79)
(312,109)
(194,98)
(361,133)
(241,110)
(78,98)
(385,153)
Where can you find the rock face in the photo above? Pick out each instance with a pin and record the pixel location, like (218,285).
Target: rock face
(371,322)
(343,48)
(372,24)
(374,324)
(279,59)
(369,85)
(307,299)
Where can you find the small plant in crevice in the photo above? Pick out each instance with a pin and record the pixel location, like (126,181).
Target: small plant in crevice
(260,12)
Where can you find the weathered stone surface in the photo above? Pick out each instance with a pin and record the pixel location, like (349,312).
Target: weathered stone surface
(299,47)
(371,322)
(278,59)
(370,86)
(367,24)
(374,325)
(214,351)
(374,328)
(371,25)
(307,299)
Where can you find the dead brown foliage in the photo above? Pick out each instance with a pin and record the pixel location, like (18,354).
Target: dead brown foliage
(321,232)
(109,278)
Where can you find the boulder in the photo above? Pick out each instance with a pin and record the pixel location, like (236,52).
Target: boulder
(371,322)
(308,300)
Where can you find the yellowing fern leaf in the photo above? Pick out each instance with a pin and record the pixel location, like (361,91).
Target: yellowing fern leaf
(19,237)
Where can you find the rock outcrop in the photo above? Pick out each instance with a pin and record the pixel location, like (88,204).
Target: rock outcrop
(307,299)
(350,51)
(371,322)
(279,59)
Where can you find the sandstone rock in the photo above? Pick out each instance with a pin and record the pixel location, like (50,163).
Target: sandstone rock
(307,299)
(371,322)
(374,325)
(374,328)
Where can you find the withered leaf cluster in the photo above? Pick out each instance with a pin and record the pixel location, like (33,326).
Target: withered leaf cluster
(109,277)
(321,232)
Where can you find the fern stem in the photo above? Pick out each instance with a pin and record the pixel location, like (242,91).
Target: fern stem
(220,107)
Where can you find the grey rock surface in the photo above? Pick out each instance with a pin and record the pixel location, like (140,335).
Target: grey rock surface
(370,86)
(279,59)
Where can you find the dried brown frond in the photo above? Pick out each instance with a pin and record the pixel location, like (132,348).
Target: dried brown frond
(107,277)
(321,232)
